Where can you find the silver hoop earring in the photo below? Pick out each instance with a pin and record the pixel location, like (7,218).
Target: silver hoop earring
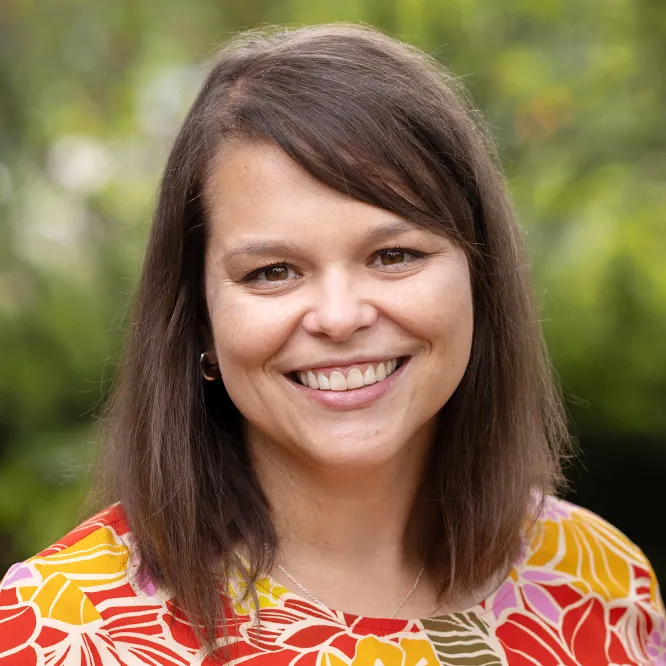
(209,370)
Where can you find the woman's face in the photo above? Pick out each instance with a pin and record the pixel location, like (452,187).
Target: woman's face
(305,285)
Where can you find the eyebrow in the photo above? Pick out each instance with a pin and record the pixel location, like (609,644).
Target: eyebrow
(264,247)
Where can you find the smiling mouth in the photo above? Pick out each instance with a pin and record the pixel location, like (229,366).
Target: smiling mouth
(348,379)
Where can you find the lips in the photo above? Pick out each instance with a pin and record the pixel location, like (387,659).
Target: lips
(348,399)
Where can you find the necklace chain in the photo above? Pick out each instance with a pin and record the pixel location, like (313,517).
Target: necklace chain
(323,605)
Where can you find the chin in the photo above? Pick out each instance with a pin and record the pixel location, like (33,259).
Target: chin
(359,451)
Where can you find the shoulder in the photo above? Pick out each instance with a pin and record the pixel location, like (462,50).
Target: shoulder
(59,591)
(581,592)
(596,557)
(93,553)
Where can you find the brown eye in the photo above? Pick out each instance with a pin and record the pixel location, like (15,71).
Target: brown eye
(276,273)
(396,259)
(390,257)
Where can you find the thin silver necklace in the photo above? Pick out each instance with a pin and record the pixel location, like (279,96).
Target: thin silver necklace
(323,605)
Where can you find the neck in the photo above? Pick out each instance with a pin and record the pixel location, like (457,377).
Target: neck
(342,532)
(349,518)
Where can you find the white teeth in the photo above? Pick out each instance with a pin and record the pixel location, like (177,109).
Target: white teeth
(369,376)
(312,380)
(338,381)
(355,379)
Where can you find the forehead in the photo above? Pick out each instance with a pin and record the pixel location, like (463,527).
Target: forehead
(256,189)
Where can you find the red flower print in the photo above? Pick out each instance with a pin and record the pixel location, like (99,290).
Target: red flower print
(528,642)
(584,628)
(18,629)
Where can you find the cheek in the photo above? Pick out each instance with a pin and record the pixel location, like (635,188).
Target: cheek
(247,332)
(455,317)
(439,311)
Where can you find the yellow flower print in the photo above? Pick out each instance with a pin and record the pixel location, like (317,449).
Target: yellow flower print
(372,651)
(418,652)
(59,599)
(268,591)
(98,559)
(589,550)
(94,561)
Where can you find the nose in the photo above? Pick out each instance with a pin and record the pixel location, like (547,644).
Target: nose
(338,309)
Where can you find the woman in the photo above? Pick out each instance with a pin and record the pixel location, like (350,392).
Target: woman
(335,438)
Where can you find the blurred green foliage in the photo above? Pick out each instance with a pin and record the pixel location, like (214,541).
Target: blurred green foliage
(91,94)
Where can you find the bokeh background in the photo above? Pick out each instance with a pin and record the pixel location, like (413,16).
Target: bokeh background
(91,94)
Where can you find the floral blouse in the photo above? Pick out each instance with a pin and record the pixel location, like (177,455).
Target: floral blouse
(580,594)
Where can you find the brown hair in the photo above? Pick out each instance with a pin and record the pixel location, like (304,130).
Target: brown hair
(384,123)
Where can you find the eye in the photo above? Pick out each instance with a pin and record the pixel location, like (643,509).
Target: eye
(275,274)
(389,257)
(396,256)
